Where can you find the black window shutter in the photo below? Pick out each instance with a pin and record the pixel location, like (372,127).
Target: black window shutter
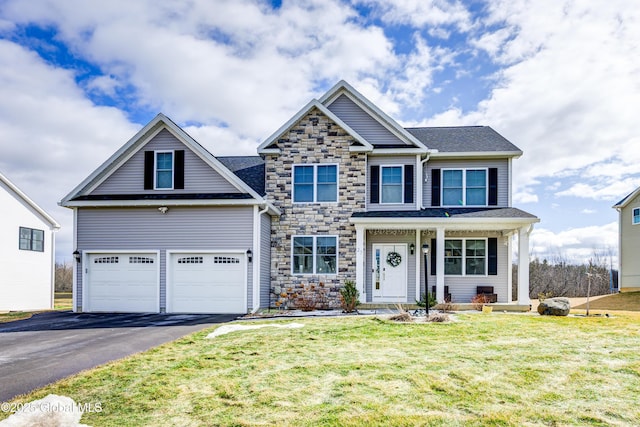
(493,186)
(435,187)
(408,183)
(178,171)
(433,257)
(374,196)
(493,256)
(149,159)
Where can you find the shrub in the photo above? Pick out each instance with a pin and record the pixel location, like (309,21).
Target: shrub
(349,297)
(479,300)
(423,300)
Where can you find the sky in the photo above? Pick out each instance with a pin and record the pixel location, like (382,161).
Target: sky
(558,78)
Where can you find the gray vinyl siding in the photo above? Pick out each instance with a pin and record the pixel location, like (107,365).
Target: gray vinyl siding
(361,122)
(265,260)
(629,248)
(391,161)
(503,176)
(199,177)
(463,288)
(182,228)
(401,236)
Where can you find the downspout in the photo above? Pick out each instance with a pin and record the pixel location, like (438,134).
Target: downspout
(257,233)
(423,180)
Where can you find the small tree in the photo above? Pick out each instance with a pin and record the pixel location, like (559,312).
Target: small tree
(349,297)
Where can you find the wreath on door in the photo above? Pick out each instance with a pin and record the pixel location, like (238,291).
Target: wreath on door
(394,259)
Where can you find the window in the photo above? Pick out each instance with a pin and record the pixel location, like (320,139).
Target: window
(464,187)
(391,184)
(636,216)
(31,239)
(465,257)
(164,170)
(315,255)
(315,183)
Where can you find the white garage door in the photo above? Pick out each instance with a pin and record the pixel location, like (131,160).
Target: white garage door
(122,283)
(207,283)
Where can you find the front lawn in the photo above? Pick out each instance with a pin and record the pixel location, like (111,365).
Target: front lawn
(498,369)
(627,301)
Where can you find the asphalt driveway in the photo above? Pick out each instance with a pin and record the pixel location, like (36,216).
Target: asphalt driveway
(53,345)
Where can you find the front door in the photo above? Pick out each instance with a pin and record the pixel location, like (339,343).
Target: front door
(389,272)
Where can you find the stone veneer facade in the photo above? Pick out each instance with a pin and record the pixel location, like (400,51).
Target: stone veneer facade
(314,139)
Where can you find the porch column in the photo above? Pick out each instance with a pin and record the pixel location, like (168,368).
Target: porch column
(440,264)
(360,263)
(419,256)
(523,265)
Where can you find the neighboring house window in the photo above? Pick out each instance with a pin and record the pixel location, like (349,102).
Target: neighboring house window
(315,183)
(31,239)
(464,187)
(315,254)
(636,215)
(465,257)
(164,170)
(391,184)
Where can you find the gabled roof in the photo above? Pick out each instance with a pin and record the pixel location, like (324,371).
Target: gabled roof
(467,140)
(627,199)
(342,87)
(266,146)
(12,188)
(136,143)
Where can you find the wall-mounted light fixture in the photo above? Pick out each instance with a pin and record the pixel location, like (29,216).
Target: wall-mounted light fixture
(249,255)
(163,209)
(412,248)
(77,256)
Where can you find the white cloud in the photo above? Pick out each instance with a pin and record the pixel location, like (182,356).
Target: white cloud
(422,13)
(525,196)
(576,245)
(588,211)
(606,189)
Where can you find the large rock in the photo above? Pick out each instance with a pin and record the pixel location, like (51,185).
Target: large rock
(554,307)
(52,411)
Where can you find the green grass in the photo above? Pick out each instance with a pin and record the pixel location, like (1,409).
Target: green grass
(14,315)
(496,370)
(62,301)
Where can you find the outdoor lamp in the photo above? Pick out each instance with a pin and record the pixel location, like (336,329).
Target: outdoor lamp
(76,255)
(249,255)
(412,248)
(425,251)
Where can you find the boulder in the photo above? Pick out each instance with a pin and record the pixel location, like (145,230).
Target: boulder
(554,307)
(52,411)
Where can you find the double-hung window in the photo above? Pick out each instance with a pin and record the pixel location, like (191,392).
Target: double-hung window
(164,170)
(636,216)
(31,239)
(391,184)
(465,257)
(315,183)
(464,187)
(315,255)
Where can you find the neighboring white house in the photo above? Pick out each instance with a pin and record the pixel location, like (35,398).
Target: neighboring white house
(629,241)
(27,248)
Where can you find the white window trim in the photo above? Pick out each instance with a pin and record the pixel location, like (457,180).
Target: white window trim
(315,182)
(633,216)
(155,168)
(315,236)
(401,186)
(464,186)
(464,257)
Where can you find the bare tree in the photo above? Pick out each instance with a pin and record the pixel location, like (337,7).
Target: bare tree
(63,277)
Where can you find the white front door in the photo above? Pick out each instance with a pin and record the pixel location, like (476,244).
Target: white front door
(389,280)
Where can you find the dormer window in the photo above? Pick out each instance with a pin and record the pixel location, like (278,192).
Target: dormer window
(164,170)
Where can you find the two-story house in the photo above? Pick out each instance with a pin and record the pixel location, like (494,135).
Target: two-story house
(339,192)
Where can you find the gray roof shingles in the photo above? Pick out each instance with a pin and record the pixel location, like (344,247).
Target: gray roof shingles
(458,139)
(481,212)
(249,169)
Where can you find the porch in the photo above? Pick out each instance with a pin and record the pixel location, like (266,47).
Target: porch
(466,250)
